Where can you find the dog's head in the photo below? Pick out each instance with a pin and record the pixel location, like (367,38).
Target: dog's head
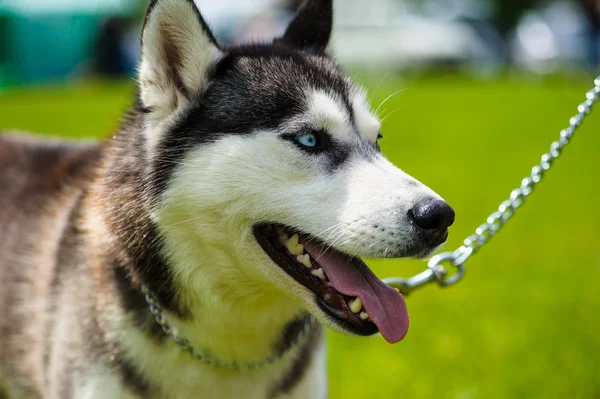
(266,157)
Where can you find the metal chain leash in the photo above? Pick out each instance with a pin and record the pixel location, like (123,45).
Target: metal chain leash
(187,347)
(436,271)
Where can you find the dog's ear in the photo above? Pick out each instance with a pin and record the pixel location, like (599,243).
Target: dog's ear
(178,51)
(311,27)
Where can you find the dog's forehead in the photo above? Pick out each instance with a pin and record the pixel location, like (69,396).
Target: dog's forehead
(312,88)
(291,73)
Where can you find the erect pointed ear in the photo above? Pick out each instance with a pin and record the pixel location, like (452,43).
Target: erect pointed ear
(178,51)
(311,27)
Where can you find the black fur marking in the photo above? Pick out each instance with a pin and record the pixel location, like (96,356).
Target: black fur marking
(133,379)
(350,111)
(298,369)
(339,153)
(138,245)
(155,273)
(311,27)
(337,156)
(290,334)
(134,302)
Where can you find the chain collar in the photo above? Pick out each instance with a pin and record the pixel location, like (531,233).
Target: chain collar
(185,345)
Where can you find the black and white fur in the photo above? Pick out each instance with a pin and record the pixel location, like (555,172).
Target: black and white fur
(170,201)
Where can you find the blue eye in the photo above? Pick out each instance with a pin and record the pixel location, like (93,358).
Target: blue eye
(308,140)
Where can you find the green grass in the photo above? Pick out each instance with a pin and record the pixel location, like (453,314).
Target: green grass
(524,322)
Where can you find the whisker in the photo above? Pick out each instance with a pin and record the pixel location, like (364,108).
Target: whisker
(380,83)
(334,243)
(388,98)
(388,115)
(334,227)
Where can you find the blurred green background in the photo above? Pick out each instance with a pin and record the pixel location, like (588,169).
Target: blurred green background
(524,322)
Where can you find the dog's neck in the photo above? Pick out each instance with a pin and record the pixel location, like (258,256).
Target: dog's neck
(233,317)
(204,289)
(222,314)
(232,312)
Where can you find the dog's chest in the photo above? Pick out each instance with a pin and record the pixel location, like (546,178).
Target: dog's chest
(282,380)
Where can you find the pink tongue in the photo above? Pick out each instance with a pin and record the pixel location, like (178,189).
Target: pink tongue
(352,277)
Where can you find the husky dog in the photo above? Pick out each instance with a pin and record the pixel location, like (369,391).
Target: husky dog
(197,252)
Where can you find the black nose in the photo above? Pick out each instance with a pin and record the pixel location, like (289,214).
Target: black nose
(433,215)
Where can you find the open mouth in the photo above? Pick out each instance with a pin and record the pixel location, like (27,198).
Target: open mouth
(345,288)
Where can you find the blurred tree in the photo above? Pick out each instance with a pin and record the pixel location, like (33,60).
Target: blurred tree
(507,13)
(591,9)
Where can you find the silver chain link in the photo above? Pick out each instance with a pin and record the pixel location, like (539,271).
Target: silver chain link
(436,271)
(185,345)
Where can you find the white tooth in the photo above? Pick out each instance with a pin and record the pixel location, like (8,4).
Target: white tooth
(319,273)
(283,238)
(355,305)
(363,315)
(299,250)
(304,259)
(293,247)
(292,241)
